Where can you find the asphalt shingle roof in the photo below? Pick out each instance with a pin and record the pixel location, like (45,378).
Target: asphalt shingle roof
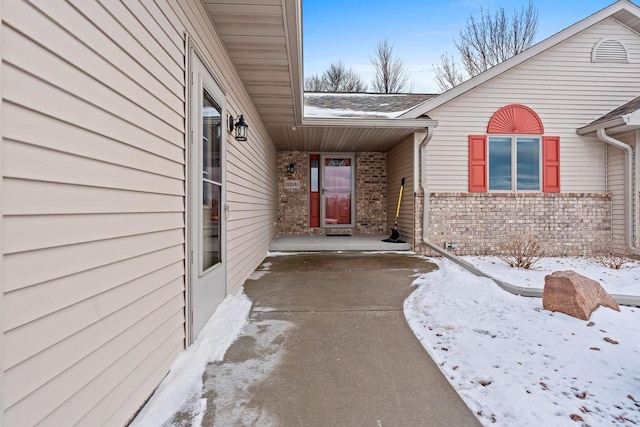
(361,104)
(628,108)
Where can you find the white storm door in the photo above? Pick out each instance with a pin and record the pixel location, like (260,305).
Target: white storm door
(206,218)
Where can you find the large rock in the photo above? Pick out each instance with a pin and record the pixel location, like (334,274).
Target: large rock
(574,294)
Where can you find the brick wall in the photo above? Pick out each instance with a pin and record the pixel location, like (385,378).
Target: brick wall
(293,205)
(371,193)
(566,224)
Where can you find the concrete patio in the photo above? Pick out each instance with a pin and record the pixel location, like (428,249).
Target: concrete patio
(327,344)
(319,243)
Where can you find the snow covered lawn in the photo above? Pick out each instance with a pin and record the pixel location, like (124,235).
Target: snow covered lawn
(516,364)
(625,281)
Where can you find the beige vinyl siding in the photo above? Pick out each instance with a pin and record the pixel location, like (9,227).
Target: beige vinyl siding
(93,226)
(2,235)
(616,180)
(400,164)
(563,87)
(93,201)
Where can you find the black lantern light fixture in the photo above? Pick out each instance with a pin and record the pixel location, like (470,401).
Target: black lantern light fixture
(291,168)
(240,127)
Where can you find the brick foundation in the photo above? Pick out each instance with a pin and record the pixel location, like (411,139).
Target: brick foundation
(566,224)
(370,197)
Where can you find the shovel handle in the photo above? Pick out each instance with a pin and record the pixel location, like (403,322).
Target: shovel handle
(399,199)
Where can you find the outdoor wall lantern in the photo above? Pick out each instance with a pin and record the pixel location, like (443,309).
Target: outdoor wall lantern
(291,168)
(240,127)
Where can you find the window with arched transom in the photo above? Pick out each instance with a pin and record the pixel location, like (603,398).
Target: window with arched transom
(515,154)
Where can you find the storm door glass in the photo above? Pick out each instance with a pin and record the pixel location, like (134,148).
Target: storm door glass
(211,182)
(337,191)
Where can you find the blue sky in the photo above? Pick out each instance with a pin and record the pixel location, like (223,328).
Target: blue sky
(420,31)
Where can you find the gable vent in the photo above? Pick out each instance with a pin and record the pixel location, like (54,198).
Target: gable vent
(609,50)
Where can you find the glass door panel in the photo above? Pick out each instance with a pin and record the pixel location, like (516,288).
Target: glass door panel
(211,186)
(337,191)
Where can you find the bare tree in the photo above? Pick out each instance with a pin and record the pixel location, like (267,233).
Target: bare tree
(390,74)
(448,73)
(490,40)
(313,83)
(339,78)
(336,78)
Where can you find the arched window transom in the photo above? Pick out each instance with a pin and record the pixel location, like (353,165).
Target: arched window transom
(515,119)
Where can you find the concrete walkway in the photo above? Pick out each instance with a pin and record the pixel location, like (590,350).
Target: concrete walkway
(328,345)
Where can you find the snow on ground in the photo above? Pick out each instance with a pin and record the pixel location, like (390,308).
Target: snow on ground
(625,281)
(181,389)
(516,364)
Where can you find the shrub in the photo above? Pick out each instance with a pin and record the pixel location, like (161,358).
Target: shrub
(521,250)
(607,257)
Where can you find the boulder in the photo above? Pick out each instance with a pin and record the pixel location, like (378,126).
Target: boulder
(574,294)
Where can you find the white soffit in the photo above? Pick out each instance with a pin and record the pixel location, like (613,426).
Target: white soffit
(263,39)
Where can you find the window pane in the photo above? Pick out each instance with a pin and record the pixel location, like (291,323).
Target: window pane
(210,225)
(315,164)
(499,163)
(211,134)
(528,163)
(337,174)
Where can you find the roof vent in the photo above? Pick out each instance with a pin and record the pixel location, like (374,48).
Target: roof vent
(609,50)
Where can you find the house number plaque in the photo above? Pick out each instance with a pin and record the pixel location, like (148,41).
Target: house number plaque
(292,184)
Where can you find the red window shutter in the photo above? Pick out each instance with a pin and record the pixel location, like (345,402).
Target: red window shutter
(551,164)
(477,163)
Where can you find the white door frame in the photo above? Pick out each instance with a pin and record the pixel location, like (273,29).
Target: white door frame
(205,289)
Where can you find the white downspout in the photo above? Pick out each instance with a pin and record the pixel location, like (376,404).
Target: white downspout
(628,160)
(423,182)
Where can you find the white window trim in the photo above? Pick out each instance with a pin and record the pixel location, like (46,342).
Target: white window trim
(514,162)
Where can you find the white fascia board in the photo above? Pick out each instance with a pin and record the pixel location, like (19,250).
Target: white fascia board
(602,125)
(293,20)
(536,49)
(632,119)
(370,123)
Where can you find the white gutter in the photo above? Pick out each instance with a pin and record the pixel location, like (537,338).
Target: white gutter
(632,119)
(628,205)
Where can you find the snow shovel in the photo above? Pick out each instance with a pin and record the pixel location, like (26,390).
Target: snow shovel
(395,234)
